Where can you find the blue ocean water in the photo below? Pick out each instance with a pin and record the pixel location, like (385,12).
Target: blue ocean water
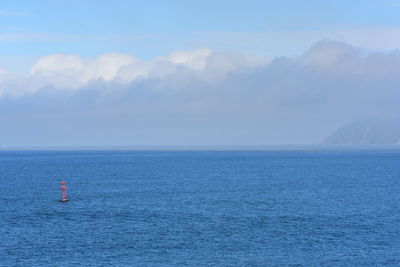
(200,208)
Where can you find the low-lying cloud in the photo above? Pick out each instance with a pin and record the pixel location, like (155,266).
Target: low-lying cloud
(200,97)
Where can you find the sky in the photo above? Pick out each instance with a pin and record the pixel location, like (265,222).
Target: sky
(131,73)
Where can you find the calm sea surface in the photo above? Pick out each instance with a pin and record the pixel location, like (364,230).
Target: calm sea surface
(204,208)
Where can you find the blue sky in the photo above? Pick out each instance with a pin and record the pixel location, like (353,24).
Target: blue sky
(94,73)
(30,29)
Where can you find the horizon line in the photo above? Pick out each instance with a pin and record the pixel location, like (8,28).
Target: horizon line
(199,147)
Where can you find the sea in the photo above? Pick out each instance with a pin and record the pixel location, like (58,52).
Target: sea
(200,208)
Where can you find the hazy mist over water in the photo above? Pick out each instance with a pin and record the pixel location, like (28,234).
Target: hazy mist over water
(199,97)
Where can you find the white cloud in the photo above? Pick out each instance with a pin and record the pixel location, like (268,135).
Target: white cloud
(59,70)
(71,71)
(193,59)
(48,65)
(105,66)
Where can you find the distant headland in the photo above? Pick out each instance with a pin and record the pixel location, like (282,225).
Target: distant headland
(366,132)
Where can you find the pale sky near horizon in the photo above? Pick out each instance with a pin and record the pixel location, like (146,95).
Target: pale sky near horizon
(194,72)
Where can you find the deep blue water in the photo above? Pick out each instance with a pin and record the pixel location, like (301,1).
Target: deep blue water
(204,208)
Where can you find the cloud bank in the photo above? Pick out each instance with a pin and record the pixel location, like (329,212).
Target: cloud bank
(200,97)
